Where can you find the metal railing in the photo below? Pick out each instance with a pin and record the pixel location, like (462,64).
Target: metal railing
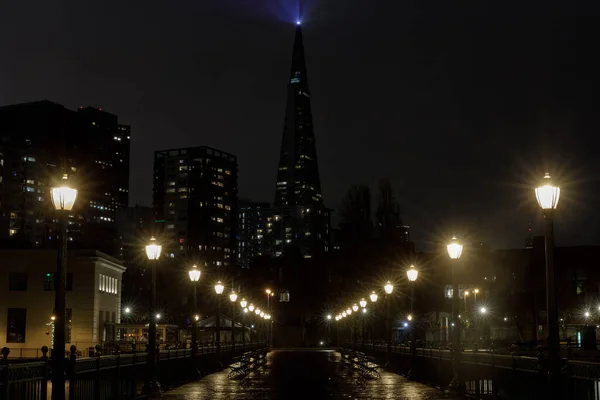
(488,374)
(119,376)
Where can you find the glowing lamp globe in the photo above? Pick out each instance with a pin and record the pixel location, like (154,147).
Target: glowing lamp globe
(251,307)
(243,303)
(389,288)
(257,311)
(373,297)
(344,314)
(233,297)
(455,249)
(363,303)
(329,316)
(262,314)
(219,288)
(412,273)
(63,197)
(348,311)
(153,249)
(355,308)
(547,194)
(194,274)
(298,22)
(364,310)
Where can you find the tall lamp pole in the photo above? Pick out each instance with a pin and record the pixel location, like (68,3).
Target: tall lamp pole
(355,310)
(363,305)
(388,288)
(233,298)
(373,297)
(219,291)
(243,304)
(194,278)
(152,385)
(454,252)
(412,274)
(63,199)
(547,196)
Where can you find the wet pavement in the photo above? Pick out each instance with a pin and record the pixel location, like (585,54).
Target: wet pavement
(305,374)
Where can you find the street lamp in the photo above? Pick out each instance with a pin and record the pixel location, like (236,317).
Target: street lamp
(219,291)
(454,252)
(153,250)
(388,288)
(547,195)
(483,310)
(355,308)
(348,311)
(475,293)
(363,303)
(251,307)
(63,199)
(194,274)
(465,294)
(233,298)
(243,303)
(373,297)
(329,317)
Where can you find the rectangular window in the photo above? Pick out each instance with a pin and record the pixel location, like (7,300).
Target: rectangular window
(17,281)
(15,325)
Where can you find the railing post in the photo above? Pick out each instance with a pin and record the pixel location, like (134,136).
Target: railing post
(117,386)
(72,372)
(44,357)
(97,380)
(4,377)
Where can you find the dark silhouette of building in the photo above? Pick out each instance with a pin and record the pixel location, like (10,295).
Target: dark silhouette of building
(255,228)
(41,141)
(300,219)
(195,204)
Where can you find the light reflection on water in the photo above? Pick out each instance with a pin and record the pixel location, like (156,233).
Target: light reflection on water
(301,374)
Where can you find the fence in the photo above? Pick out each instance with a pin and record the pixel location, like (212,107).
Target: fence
(120,376)
(491,375)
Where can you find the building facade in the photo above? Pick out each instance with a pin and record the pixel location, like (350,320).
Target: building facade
(41,141)
(300,219)
(195,204)
(27,298)
(255,232)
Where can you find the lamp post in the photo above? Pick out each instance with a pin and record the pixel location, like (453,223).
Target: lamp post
(219,291)
(153,252)
(454,252)
(233,298)
(475,292)
(63,199)
(412,274)
(373,297)
(547,196)
(355,309)
(243,304)
(363,304)
(465,295)
(194,278)
(388,288)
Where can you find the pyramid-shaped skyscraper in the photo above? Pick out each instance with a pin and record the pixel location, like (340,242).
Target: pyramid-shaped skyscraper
(302,220)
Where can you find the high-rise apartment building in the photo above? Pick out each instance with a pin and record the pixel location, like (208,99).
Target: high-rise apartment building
(299,218)
(255,228)
(41,141)
(195,204)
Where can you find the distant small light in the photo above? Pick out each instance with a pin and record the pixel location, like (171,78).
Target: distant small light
(298,22)
(405,324)
(321,343)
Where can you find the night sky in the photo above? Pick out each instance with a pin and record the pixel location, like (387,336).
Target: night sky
(462,105)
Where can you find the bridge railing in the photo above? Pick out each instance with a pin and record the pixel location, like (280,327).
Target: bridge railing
(119,376)
(488,374)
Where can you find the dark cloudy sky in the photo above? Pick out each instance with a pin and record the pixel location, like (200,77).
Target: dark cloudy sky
(462,105)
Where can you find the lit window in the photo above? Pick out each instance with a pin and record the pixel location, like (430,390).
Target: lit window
(171,226)
(170,190)
(172,183)
(30,181)
(220,220)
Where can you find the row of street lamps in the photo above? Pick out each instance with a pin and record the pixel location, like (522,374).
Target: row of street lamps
(64,197)
(547,195)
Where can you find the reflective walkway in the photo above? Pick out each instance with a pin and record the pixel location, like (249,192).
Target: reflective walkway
(304,374)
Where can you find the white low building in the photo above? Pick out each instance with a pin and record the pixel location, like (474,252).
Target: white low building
(27,298)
